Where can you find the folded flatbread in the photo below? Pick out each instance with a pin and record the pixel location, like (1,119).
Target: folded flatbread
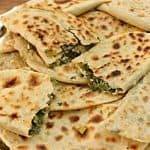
(51,32)
(115,65)
(105,26)
(73,130)
(77,7)
(24,100)
(132,119)
(135,12)
(73,97)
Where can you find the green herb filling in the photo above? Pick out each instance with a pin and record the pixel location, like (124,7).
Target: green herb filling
(38,121)
(97,84)
(70,52)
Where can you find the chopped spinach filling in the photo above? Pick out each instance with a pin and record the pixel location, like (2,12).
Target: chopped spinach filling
(70,52)
(2,30)
(38,121)
(97,84)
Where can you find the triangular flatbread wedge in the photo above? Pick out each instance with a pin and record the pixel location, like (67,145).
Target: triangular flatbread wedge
(73,97)
(73,130)
(114,65)
(135,12)
(132,119)
(24,100)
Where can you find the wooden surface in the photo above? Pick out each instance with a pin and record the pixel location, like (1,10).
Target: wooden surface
(7,4)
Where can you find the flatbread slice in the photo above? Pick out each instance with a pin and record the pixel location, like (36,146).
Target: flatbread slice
(105,26)
(73,130)
(73,97)
(45,31)
(77,7)
(132,119)
(29,55)
(134,12)
(113,66)
(24,100)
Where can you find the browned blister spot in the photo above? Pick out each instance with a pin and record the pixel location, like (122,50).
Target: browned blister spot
(58,138)
(25,16)
(133,147)
(88,95)
(104,27)
(96,119)
(132,36)
(147,49)
(64,129)
(49,125)
(129,68)
(95,58)
(111,139)
(22,147)
(14,116)
(11,82)
(51,115)
(1,107)
(41,147)
(140,35)
(66,104)
(139,48)
(74,119)
(15,22)
(116,46)
(34,80)
(125,60)
(59,114)
(146,99)
(97,136)
(115,73)
(36,17)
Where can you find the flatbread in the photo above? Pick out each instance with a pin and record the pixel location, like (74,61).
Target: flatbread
(73,97)
(11,61)
(132,119)
(73,130)
(77,7)
(23,94)
(105,26)
(29,55)
(120,61)
(50,35)
(134,12)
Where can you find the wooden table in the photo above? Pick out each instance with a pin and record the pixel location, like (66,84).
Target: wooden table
(7,4)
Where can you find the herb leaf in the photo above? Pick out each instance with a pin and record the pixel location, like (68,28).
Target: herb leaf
(37,121)
(97,84)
